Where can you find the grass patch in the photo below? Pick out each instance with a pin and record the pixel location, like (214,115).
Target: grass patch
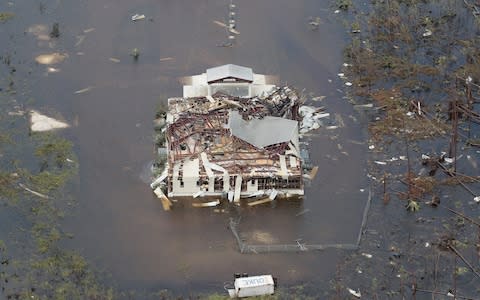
(5,16)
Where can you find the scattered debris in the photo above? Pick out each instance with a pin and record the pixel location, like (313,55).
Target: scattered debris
(166,203)
(198,194)
(311,118)
(51,59)
(367,255)
(313,173)
(138,17)
(206,204)
(273,194)
(245,286)
(135,54)
(318,98)
(87,89)
(232,135)
(354,293)
(363,106)
(52,70)
(427,33)
(40,31)
(40,123)
(314,23)
(261,201)
(80,40)
(113,59)
(33,192)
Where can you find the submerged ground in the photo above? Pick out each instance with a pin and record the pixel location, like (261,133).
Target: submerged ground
(102,234)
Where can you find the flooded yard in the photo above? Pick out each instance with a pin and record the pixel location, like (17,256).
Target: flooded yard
(400,80)
(110,99)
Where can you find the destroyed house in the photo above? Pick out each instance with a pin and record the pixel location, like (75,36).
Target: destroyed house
(233,135)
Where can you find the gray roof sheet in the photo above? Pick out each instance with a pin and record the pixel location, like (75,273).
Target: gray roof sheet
(262,132)
(229,70)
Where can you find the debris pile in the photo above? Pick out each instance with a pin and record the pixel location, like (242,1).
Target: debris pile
(233,136)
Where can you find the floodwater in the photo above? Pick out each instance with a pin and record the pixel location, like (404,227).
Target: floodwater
(118,223)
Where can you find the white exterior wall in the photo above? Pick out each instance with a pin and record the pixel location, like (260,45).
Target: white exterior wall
(190,177)
(252,187)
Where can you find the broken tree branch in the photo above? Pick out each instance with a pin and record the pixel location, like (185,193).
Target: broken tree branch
(464,260)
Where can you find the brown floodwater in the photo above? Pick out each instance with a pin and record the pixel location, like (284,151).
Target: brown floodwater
(118,223)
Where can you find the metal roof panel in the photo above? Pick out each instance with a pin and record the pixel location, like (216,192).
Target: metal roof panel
(230,70)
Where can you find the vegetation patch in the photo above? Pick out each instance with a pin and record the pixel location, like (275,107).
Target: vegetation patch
(5,16)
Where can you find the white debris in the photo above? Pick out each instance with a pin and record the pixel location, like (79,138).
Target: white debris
(159,179)
(51,59)
(206,204)
(80,40)
(52,70)
(427,244)
(198,194)
(33,192)
(256,194)
(341,75)
(427,33)
(318,98)
(367,255)
(310,118)
(348,83)
(477,199)
(402,157)
(380,162)
(354,293)
(448,160)
(424,156)
(16,113)
(83,90)
(39,122)
(368,105)
(137,17)
(273,194)
(336,11)
(40,31)
(371,147)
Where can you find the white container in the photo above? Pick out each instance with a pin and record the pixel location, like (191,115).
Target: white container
(254,286)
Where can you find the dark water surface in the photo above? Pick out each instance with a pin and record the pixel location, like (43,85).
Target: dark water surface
(118,224)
